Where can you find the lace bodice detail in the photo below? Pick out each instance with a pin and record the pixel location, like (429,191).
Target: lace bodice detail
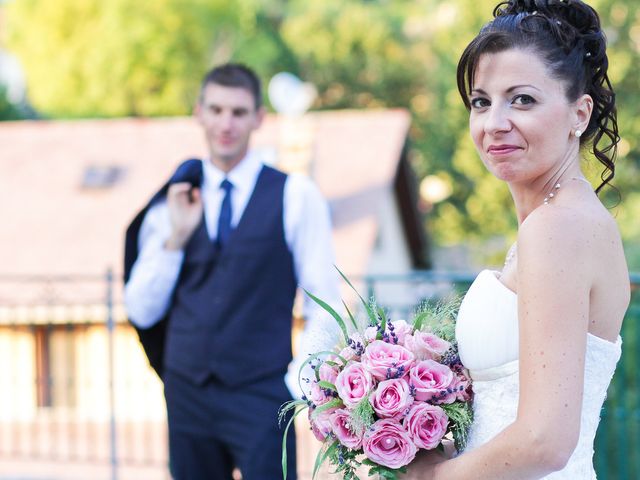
(487,334)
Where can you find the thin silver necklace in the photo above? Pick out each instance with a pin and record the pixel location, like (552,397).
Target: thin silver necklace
(513,250)
(552,193)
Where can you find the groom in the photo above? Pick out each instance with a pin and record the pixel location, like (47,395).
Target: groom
(211,268)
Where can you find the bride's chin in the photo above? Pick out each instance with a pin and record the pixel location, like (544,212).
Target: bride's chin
(503,172)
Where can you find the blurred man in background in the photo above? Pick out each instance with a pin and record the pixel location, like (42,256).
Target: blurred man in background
(212,267)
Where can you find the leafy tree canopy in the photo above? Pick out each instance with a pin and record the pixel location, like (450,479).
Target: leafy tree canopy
(93,58)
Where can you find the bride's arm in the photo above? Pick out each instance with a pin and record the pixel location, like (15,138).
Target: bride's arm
(554,279)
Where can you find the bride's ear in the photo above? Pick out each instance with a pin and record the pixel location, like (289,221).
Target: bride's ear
(582,112)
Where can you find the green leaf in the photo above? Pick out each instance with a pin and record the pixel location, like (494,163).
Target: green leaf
(322,456)
(353,320)
(368,309)
(460,417)
(419,320)
(312,358)
(384,472)
(327,385)
(362,416)
(336,402)
(282,411)
(284,442)
(333,313)
(383,320)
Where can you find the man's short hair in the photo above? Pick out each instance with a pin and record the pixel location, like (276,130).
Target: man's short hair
(234,75)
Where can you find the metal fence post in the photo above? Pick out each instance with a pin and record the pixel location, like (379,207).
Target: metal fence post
(112,407)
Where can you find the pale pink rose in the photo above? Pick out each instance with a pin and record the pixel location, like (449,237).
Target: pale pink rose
(389,444)
(385,360)
(355,346)
(348,354)
(401,329)
(353,384)
(457,390)
(370,334)
(426,424)
(430,378)
(328,373)
(341,427)
(392,398)
(321,423)
(318,395)
(460,386)
(426,346)
(356,340)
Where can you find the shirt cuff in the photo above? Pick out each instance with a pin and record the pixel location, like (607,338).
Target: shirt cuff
(171,259)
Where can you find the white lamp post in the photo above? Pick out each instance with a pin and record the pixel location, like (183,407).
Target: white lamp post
(291,98)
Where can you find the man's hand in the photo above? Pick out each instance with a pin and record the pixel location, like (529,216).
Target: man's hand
(185,211)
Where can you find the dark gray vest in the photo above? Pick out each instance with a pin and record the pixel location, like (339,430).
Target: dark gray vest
(232,308)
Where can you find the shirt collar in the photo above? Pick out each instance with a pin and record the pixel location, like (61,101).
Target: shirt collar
(242,176)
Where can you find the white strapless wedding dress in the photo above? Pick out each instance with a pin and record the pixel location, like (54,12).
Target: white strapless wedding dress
(487,334)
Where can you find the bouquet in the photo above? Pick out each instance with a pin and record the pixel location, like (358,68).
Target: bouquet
(389,389)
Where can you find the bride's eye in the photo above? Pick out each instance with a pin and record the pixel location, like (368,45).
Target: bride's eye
(479,102)
(523,99)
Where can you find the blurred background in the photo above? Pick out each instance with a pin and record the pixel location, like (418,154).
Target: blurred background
(95,99)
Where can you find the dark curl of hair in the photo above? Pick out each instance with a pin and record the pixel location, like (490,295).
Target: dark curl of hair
(567,36)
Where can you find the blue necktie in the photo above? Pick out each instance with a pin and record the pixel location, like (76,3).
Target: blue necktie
(224,220)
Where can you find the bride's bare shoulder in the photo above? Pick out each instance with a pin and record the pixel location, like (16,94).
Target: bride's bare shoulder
(555,231)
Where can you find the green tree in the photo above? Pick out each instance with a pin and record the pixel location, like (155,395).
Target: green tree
(8,111)
(88,58)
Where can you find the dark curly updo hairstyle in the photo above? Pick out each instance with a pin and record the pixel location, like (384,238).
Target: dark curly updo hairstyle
(567,36)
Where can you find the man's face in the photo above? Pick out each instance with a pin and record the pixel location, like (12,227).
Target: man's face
(228,116)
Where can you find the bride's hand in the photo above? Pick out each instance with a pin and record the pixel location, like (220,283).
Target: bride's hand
(422,466)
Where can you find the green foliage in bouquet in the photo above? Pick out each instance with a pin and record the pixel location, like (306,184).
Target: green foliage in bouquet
(438,319)
(461,418)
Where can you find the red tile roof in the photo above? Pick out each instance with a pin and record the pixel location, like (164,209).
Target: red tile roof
(52,225)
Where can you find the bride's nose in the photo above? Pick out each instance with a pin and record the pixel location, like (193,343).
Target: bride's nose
(497,120)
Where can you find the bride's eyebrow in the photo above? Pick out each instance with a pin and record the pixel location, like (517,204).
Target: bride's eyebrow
(527,85)
(479,91)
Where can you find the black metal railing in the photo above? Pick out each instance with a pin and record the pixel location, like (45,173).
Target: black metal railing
(77,390)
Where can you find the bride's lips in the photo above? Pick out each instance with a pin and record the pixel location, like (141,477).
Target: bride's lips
(502,149)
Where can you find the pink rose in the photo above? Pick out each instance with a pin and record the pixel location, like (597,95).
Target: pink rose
(348,354)
(426,346)
(385,360)
(460,386)
(388,443)
(321,423)
(370,334)
(318,395)
(391,398)
(401,329)
(328,373)
(426,425)
(341,427)
(356,340)
(430,379)
(353,384)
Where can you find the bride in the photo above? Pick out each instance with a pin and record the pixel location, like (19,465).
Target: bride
(541,337)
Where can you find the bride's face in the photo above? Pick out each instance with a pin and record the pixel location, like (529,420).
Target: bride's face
(521,121)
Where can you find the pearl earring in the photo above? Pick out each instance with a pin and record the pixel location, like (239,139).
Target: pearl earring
(578,133)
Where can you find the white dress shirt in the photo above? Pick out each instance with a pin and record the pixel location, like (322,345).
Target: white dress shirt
(307,228)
